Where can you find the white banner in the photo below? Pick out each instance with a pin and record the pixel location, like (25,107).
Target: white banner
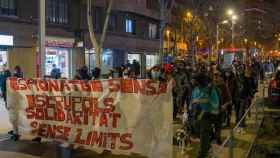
(125,116)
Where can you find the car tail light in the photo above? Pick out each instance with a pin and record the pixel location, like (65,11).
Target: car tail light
(273,84)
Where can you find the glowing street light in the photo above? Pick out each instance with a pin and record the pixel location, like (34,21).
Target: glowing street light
(167,32)
(234,17)
(168,39)
(189,14)
(230,12)
(225,22)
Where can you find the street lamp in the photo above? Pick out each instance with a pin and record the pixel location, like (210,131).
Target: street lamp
(217,33)
(168,40)
(245,40)
(189,16)
(233,17)
(230,12)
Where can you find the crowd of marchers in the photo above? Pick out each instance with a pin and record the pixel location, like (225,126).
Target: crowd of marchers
(205,94)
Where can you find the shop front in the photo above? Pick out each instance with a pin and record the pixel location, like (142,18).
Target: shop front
(106,60)
(59,53)
(145,59)
(151,60)
(148,60)
(6,41)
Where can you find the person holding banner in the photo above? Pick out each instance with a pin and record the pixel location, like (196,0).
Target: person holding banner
(18,72)
(6,75)
(13,108)
(204,105)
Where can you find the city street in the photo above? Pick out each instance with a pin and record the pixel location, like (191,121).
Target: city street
(139,78)
(29,149)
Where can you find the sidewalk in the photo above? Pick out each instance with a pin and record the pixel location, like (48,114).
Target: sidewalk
(5,125)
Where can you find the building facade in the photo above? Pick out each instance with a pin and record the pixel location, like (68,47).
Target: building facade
(133,33)
(19,36)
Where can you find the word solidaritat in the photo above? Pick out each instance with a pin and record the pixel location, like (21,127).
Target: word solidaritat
(73,110)
(146,87)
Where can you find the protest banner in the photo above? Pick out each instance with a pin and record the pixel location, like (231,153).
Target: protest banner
(124,116)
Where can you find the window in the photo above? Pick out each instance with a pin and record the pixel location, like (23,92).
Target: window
(130,26)
(57,11)
(149,4)
(112,25)
(7,7)
(152,4)
(151,60)
(152,31)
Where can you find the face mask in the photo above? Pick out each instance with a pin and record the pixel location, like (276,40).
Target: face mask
(227,74)
(155,74)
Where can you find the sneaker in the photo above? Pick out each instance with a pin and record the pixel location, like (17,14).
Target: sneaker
(37,139)
(15,137)
(11,132)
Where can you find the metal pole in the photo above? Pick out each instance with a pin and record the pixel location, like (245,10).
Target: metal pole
(42,34)
(231,144)
(217,39)
(232,33)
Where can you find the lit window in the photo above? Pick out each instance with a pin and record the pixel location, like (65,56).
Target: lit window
(129,26)
(152,31)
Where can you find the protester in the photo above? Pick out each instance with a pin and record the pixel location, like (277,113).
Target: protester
(125,72)
(6,75)
(205,104)
(18,72)
(84,73)
(96,73)
(232,85)
(224,100)
(179,90)
(13,109)
(155,73)
(135,69)
(244,92)
(55,72)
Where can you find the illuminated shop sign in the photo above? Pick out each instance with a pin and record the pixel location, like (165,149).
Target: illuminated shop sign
(60,42)
(6,40)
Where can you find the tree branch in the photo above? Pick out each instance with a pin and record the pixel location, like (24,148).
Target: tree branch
(104,31)
(90,25)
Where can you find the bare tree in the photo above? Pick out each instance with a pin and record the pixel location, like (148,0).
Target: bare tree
(165,8)
(98,45)
(200,21)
